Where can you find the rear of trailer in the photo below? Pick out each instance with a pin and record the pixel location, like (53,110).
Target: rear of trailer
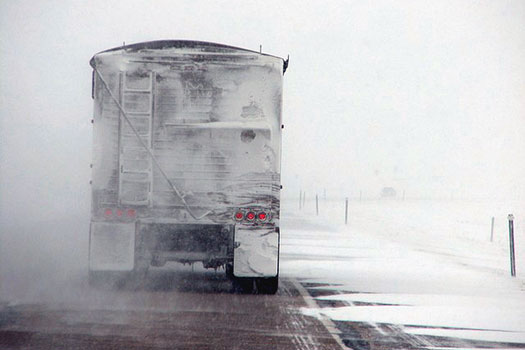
(186,160)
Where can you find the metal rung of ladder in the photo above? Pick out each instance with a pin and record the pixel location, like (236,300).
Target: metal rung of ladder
(136,168)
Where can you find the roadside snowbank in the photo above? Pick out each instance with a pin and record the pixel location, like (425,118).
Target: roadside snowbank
(426,265)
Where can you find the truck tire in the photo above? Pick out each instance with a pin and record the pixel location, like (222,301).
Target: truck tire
(116,280)
(107,279)
(267,285)
(229,270)
(243,285)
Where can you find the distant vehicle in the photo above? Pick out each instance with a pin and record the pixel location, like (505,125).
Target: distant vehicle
(186,160)
(388,192)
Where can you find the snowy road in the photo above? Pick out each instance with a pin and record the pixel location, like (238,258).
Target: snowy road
(376,283)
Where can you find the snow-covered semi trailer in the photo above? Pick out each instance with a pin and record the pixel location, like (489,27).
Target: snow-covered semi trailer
(186,160)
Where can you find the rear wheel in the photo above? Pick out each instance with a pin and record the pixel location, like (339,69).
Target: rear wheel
(133,279)
(267,285)
(229,270)
(107,279)
(243,285)
(117,279)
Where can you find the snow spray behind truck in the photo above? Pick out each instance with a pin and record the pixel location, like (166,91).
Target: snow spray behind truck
(186,160)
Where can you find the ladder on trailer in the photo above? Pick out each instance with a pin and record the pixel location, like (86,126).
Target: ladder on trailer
(129,178)
(135,164)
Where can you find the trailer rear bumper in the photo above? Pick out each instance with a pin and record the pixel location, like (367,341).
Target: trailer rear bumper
(252,250)
(127,246)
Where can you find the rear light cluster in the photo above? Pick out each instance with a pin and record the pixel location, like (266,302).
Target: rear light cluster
(251,216)
(119,213)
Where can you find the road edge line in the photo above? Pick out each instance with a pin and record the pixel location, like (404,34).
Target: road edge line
(327,322)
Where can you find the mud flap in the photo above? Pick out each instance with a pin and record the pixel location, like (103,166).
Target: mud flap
(256,252)
(112,246)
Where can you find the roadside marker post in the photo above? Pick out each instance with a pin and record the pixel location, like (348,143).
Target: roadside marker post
(492,230)
(511,240)
(346,210)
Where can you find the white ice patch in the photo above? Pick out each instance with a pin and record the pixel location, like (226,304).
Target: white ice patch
(112,246)
(257,252)
(474,322)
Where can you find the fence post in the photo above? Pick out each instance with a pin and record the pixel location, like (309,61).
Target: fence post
(316,205)
(346,210)
(300,198)
(511,240)
(304,199)
(492,229)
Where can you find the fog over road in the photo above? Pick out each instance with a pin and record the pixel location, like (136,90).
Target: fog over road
(368,285)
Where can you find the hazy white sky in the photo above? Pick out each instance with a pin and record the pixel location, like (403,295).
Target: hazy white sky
(424,96)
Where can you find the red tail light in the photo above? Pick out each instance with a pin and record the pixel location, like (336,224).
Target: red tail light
(251,216)
(110,213)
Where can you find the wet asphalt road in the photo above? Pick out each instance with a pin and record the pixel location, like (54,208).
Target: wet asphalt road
(171,311)
(199,310)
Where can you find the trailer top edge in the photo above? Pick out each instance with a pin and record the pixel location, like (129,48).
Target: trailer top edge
(182,44)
